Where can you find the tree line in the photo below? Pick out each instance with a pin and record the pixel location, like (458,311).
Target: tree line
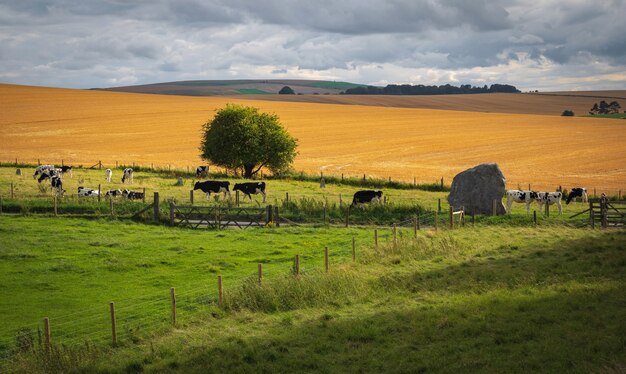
(420,89)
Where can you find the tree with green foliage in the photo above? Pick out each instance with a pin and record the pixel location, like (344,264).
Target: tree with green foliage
(241,138)
(286,91)
(567,113)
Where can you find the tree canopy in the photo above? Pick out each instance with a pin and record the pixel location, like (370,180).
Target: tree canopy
(420,89)
(241,138)
(286,91)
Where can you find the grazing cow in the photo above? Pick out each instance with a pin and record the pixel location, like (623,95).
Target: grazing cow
(576,192)
(202,171)
(57,184)
(367,196)
(41,168)
(517,196)
(213,186)
(550,198)
(108,174)
(48,173)
(114,193)
(86,192)
(128,176)
(251,188)
(133,195)
(64,169)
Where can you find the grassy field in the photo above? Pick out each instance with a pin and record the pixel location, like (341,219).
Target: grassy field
(489,299)
(82,127)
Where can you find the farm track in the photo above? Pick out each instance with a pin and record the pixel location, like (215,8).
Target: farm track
(82,127)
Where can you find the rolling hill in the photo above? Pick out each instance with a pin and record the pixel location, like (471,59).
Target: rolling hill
(82,127)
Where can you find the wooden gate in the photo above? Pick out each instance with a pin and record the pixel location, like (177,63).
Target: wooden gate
(605,213)
(219,217)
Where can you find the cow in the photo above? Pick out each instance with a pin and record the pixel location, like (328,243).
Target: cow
(64,169)
(47,173)
(213,186)
(366,196)
(86,192)
(251,188)
(108,174)
(57,184)
(128,176)
(550,198)
(133,195)
(113,193)
(202,171)
(576,192)
(41,168)
(517,196)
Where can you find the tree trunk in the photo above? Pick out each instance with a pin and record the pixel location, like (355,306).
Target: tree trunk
(248,168)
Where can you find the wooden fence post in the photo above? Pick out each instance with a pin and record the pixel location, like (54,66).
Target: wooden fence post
(297,267)
(276,216)
(220,291)
(173,295)
(326,265)
(191,197)
(113,323)
(116,164)
(442,183)
(353,249)
(592,219)
(269,214)
(439,205)
(12,193)
(172,207)
(451,218)
(38,162)
(547,209)
(534,217)
(100,164)
(529,187)
(286,197)
(395,236)
(155,205)
(47,336)
(594,192)
(144,196)
(376,239)
(260,273)
(99,193)
(414,181)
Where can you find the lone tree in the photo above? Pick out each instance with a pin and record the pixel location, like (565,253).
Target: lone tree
(240,137)
(286,91)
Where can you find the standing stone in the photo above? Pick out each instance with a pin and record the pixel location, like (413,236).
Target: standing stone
(476,188)
(180,182)
(18,172)
(322,183)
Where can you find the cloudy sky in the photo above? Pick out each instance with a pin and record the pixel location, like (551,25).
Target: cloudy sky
(532,44)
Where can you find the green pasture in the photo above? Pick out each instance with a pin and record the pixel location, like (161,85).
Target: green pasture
(485,298)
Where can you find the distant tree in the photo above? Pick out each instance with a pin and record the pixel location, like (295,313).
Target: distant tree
(286,91)
(614,107)
(605,108)
(239,137)
(567,113)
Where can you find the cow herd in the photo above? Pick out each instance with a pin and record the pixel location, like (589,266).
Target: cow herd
(43,172)
(549,198)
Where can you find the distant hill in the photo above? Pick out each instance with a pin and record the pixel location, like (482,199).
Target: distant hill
(238,87)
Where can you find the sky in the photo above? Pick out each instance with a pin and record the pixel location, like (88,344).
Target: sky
(544,45)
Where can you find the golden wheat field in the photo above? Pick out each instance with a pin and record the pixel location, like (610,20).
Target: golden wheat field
(82,127)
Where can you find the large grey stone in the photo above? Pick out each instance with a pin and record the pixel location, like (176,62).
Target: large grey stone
(475,189)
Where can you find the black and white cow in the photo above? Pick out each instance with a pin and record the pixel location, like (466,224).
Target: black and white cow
(41,168)
(577,192)
(108,174)
(133,195)
(517,196)
(202,171)
(87,192)
(550,198)
(213,186)
(367,196)
(47,173)
(128,176)
(57,184)
(251,188)
(65,169)
(113,193)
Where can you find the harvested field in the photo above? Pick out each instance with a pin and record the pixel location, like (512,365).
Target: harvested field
(536,103)
(82,127)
